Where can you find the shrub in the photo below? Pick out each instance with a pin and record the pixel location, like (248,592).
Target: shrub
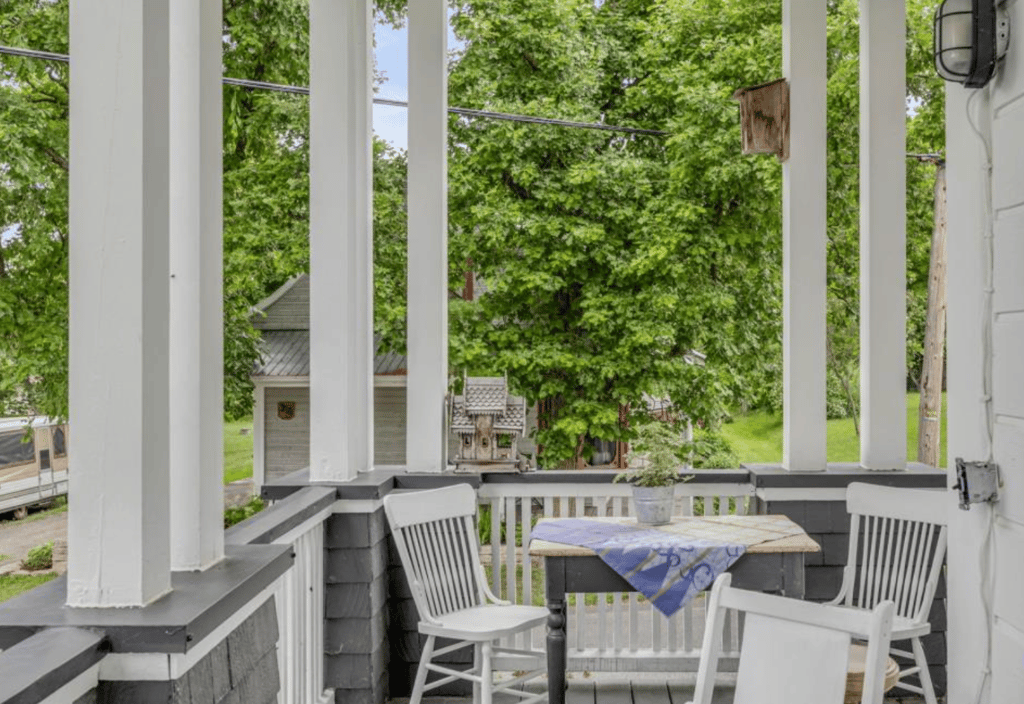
(483,525)
(712,451)
(237,514)
(39,558)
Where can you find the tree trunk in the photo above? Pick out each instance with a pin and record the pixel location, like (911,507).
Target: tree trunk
(929,410)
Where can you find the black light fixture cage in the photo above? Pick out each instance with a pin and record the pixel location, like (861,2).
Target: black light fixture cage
(984,43)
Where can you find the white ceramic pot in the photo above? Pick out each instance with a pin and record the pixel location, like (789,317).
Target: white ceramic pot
(653,504)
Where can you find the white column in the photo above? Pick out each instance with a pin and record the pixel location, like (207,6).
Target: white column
(259,470)
(803,236)
(883,215)
(966,176)
(428,236)
(341,239)
(118,552)
(197,327)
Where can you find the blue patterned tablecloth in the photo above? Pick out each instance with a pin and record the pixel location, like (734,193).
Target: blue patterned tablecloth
(668,569)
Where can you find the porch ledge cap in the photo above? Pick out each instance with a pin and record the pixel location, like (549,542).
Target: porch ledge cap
(373,485)
(841,474)
(274,521)
(369,485)
(40,665)
(197,604)
(607,476)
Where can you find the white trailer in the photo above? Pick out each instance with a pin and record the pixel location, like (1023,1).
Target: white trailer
(33,463)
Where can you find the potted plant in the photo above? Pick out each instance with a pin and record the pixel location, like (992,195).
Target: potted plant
(662,451)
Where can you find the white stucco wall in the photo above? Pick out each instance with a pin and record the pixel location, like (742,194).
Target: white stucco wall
(973,207)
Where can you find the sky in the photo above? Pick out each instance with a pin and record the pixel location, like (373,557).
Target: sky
(392,54)
(393,61)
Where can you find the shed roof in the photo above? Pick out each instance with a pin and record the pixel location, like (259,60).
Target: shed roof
(287,308)
(286,353)
(283,321)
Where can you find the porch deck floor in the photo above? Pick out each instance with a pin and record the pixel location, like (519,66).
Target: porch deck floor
(626,689)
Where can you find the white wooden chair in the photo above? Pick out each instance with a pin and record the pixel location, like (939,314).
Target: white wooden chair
(898,558)
(793,652)
(436,535)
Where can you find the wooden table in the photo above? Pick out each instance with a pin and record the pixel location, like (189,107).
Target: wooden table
(773,566)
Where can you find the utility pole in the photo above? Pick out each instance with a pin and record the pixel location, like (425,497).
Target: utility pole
(929,411)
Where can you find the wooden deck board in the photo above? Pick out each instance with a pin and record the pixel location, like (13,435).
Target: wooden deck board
(623,691)
(580,693)
(651,693)
(614,693)
(683,693)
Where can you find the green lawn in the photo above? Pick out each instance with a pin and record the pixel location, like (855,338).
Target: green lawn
(11,585)
(58,505)
(237,450)
(757,437)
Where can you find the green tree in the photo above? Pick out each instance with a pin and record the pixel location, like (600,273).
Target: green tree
(33,211)
(606,258)
(266,194)
(925,134)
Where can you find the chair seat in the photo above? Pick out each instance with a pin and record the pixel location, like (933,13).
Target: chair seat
(903,628)
(483,623)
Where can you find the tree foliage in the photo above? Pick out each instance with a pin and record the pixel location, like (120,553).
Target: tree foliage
(33,211)
(603,258)
(266,194)
(925,134)
(606,258)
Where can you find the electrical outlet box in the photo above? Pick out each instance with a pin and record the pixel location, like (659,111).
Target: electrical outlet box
(976,482)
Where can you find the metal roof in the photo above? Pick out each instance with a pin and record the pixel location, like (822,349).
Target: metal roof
(511,417)
(286,353)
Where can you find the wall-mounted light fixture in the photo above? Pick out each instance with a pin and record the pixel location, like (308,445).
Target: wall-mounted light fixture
(970,37)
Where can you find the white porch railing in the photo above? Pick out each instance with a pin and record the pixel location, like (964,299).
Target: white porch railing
(300,616)
(618,632)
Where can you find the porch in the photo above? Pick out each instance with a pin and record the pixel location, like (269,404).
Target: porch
(316,605)
(635,689)
(306,602)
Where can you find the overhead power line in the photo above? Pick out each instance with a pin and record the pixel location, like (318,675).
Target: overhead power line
(303,90)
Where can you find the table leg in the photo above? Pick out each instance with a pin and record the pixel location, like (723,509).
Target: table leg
(793,575)
(556,645)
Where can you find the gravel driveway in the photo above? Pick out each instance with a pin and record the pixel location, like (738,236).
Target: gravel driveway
(18,537)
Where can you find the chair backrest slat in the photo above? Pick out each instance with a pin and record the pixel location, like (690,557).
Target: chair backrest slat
(437,542)
(469,590)
(429,570)
(899,556)
(921,571)
(455,560)
(900,573)
(441,565)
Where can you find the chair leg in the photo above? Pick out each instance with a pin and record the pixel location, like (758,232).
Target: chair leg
(923,673)
(487,685)
(421,671)
(478,669)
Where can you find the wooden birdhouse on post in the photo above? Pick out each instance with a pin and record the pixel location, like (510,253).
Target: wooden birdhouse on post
(488,422)
(764,118)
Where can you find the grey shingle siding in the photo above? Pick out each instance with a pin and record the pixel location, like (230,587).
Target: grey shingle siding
(356,644)
(286,309)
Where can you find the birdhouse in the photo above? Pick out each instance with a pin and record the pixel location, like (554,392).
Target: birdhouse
(488,422)
(764,118)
